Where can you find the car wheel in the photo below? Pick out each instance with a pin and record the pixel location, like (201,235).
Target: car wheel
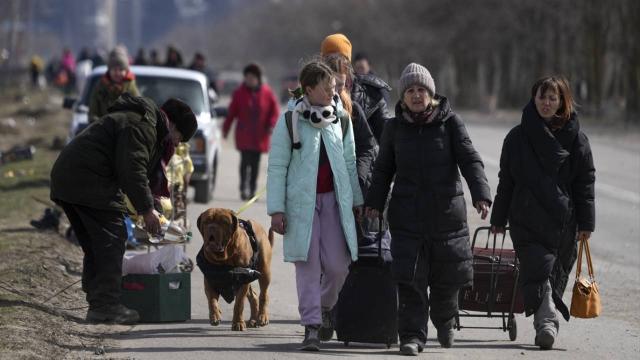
(204,189)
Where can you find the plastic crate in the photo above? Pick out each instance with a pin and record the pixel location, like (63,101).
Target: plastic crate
(158,297)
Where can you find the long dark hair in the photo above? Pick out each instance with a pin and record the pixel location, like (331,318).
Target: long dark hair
(560,86)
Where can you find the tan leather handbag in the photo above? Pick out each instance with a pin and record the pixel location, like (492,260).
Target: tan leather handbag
(585,302)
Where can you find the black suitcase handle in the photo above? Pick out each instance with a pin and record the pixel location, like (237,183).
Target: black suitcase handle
(379,236)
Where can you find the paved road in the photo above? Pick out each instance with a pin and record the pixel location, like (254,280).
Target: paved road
(614,335)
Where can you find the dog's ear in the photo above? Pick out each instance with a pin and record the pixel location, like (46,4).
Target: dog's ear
(234,219)
(199,222)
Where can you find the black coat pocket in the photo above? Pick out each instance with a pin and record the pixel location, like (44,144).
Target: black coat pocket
(451,212)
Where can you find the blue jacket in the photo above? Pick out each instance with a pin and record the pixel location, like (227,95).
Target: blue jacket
(292,179)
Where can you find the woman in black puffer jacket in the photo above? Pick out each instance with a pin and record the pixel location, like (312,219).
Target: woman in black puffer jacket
(423,147)
(546,194)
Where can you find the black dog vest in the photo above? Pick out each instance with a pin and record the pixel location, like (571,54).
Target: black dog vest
(226,279)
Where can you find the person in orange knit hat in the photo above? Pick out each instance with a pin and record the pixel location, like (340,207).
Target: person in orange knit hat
(336,43)
(367,90)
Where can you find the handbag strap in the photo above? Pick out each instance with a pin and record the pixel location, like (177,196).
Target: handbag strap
(589,262)
(584,244)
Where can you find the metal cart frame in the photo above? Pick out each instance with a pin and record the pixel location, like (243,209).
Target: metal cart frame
(498,268)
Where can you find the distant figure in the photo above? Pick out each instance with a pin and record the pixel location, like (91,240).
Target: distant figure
(154,59)
(115,82)
(36,66)
(66,75)
(174,58)
(141,58)
(84,54)
(361,64)
(68,61)
(83,68)
(98,57)
(199,64)
(256,109)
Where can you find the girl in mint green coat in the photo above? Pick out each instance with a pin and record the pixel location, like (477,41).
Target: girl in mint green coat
(312,195)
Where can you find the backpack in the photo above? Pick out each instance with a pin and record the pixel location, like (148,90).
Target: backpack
(344,122)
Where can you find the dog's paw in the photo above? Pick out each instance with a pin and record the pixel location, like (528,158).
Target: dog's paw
(239,326)
(215,318)
(253,323)
(263,320)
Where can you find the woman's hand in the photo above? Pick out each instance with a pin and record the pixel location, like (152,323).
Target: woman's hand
(584,235)
(371,213)
(279,223)
(483,208)
(497,229)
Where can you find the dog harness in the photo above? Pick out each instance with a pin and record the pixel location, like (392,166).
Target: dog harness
(226,280)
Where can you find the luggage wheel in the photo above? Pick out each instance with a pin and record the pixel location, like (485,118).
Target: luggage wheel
(513,328)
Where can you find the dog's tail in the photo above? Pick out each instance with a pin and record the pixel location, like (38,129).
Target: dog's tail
(271,236)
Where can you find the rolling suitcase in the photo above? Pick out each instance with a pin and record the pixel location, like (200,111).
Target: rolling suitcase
(367,307)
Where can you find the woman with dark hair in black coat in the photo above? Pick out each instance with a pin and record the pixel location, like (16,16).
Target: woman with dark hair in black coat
(423,147)
(546,194)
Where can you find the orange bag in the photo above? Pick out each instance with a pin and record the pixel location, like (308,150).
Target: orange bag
(585,302)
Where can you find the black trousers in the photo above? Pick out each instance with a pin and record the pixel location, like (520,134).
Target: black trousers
(102,236)
(249,168)
(420,298)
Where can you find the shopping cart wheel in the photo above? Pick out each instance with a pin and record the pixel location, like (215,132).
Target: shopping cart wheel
(513,328)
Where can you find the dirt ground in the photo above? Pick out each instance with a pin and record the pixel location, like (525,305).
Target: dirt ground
(42,306)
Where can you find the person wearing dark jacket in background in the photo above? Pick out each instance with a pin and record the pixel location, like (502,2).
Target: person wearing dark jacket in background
(116,81)
(366,90)
(255,107)
(199,64)
(423,147)
(366,144)
(336,51)
(174,57)
(546,194)
(141,58)
(113,157)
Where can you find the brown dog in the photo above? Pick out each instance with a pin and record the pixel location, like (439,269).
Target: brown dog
(225,242)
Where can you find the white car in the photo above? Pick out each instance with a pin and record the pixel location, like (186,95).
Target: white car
(159,84)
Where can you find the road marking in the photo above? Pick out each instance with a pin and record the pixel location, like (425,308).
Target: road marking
(611,191)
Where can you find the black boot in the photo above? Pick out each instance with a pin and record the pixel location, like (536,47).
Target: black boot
(445,337)
(112,314)
(411,347)
(49,220)
(311,341)
(326,329)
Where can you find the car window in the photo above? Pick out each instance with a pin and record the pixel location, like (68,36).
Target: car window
(159,89)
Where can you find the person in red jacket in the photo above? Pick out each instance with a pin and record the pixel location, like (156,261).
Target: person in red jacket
(255,107)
